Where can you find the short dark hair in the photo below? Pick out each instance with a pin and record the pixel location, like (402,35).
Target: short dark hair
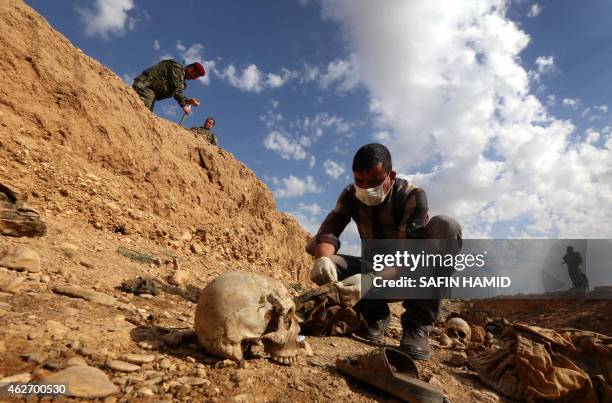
(370,155)
(210,118)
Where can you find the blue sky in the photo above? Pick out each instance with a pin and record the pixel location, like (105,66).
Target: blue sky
(498,109)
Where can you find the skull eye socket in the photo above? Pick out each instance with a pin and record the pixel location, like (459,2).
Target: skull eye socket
(461,334)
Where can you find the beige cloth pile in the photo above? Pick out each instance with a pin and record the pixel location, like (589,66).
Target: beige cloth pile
(537,364)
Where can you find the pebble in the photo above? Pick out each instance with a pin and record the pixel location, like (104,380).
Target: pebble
(145,392)
(138,358)
(123,366)
(45,278)
(21,258)
(69,249)
(192,380)
(75,361)
(84,381)
(21,377)
(197,249)
(225,363)
(36,357)
(165,363)
(12,286)
(56,330)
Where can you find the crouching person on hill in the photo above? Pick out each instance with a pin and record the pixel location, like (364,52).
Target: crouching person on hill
(167,79)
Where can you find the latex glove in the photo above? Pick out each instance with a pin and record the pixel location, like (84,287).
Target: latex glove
(323,271)
(187,109)
(351,289)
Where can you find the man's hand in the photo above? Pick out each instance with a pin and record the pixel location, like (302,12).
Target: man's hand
(323,271)
(187,109)
(349,290)
(193,101)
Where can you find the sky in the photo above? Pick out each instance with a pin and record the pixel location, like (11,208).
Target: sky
(498,109)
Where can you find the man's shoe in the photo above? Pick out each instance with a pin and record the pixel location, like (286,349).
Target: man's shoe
(374,331)
(415,342)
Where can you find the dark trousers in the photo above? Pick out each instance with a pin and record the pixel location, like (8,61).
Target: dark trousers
(419,311)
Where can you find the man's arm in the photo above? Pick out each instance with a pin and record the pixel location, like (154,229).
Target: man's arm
(177,78)
(327,242)
(416,214)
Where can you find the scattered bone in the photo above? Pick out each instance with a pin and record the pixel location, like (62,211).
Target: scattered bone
(89,295)
(459,330)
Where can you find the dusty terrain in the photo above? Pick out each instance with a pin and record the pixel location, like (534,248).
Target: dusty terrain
(124,194)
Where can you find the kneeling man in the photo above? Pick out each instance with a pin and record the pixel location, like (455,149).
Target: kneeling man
(383,207)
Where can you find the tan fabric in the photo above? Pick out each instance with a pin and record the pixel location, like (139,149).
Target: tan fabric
(323,314)
(537,364)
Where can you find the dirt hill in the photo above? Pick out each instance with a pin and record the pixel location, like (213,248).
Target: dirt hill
(77,141)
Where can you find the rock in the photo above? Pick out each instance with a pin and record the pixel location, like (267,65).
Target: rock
(197,249)
(457,358)
(138,358)
(83,381)
(13,285)
(56,329)
(178,278)
(86,263)
(21,258)
(22,377)
(5,305)
(89,295)
(186,236)
(165,363)
(192,380)
(123,366)
(69,249)
(75,361)
(45,278)
(145,392)
(36,357)
(225,363)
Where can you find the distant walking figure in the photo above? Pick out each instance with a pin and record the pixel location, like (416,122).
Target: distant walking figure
(573,260)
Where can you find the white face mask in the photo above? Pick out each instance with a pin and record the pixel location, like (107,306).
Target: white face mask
(372,196)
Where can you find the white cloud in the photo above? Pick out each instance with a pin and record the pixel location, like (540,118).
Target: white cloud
(570,102)
(534,10)
(333,169)
(312,162)
(312,209)
(602,108)
(284,145)
(156,45)
(545,64)
(107,17)
(476,138)
(293,186)
(344,73)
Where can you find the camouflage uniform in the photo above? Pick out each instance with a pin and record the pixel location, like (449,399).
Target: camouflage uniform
(164,80)
(207,134)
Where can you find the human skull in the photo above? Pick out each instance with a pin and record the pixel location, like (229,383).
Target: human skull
(458,329)
(239,309)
